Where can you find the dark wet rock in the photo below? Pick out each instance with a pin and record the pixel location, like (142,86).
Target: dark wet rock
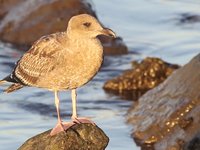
(144,76)
(22,22)
(194,144)
(167,117)
(113,46)
(78,137)
(187,18)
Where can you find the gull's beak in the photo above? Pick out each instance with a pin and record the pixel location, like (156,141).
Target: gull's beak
(108,32)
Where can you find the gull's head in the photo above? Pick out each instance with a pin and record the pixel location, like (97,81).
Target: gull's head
(86,26)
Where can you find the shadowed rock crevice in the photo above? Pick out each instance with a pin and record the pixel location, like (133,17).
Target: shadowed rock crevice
(194,144)
(78,137)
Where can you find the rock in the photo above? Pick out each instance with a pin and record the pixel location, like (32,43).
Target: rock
(78,137)
(22,22)
(187,18)
(143,77)
(113,46)
(167,117)
(194,144)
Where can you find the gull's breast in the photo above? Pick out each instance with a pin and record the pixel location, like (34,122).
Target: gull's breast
(76,68)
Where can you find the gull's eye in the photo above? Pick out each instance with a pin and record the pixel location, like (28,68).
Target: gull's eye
(87,24)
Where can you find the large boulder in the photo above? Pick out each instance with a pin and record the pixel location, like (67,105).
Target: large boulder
(143,77)
(22,22)
(167,117)
(77,137)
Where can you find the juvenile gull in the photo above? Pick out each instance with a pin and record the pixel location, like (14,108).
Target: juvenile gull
(62,61)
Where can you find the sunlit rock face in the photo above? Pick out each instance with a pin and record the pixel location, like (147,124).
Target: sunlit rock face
(22,22)
(143,77)
(77,137)
(167,117)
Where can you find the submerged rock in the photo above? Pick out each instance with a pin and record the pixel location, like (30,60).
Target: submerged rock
(187,18)
(22,22)
(167,117)
(144,76)
(78,137)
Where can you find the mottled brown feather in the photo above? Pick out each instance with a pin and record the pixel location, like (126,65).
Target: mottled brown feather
(39,60)
(13,87)
(2,81)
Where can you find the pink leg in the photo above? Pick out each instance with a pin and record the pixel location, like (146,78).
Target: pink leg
(74,117)
(59,126)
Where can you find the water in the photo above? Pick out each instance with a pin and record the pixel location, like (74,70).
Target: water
(149,27)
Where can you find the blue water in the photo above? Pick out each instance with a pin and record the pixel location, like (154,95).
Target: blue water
(149,27)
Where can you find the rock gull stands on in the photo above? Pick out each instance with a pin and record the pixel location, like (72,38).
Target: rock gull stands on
(62,61)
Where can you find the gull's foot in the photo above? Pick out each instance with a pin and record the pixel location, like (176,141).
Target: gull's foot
(82,120)
(61,126)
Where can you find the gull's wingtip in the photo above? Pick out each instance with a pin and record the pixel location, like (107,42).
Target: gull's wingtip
(2,81)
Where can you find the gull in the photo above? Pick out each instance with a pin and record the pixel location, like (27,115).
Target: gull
(62,61)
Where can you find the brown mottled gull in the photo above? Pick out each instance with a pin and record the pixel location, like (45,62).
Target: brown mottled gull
(62,61)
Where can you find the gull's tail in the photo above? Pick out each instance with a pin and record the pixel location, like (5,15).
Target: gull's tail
(2,81)
(11,88)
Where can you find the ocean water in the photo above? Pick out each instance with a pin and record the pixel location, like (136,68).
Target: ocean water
(158,28)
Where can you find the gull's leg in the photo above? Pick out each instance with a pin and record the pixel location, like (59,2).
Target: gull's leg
(57,103)
(74,117)
(74,112)
(59,127)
